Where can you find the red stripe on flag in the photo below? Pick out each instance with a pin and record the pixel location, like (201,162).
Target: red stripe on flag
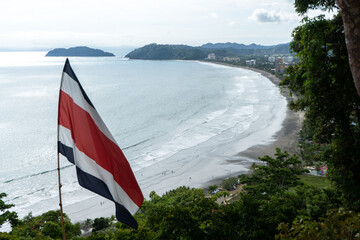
(90,140)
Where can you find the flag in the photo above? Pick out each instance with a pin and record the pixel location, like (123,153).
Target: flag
(86,142)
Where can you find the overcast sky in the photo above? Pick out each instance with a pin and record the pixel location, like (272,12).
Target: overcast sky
(114,23)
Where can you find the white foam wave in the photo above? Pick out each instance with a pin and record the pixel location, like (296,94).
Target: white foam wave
(33,93)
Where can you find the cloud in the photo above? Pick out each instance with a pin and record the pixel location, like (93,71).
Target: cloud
(273,4)
(263,15)
(214,15)
(232,23)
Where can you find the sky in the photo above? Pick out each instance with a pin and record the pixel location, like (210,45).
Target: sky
(47,24)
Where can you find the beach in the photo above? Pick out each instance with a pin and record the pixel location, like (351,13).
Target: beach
(287,137)
(179,123)
(164,176)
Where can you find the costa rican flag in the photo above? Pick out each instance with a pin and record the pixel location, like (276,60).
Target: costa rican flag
(87,143)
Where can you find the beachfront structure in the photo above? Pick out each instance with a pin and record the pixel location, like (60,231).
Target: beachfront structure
(251,62)
(280,65)
(211,56)
(231,59)
(288,59)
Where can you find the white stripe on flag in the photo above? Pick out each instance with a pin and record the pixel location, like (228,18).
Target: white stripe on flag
(89,166)
(71,87)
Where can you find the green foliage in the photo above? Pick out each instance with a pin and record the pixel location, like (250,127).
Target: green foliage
(78,52)
(100,224)
(186,213)
(180,213)
(87,224)
(316,201)
(338,224)
(182,52)
(7,236)
(52,230)
(316,181)
(277,175)
(6,215)
(229,183)
(302,6)
(163,52)
(212,188)
(45,226)
(323,80)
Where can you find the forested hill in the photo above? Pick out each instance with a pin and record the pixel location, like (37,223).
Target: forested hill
(78,52)
(164,52)
(284,46)
(183,52)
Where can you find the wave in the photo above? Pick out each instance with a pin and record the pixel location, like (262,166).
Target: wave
(136,144)
(36,174)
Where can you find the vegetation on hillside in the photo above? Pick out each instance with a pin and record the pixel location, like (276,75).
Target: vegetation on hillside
(167,52)
(182,52)
(324,84)
(78,52)
(185,213)
(277,201)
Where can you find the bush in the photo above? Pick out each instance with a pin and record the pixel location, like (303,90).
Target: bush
(212,188)
(100,224)
(52,230)
(229,183)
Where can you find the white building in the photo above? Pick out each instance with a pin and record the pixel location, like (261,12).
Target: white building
(288,59)
(231,59)
(211,56)
(251,62)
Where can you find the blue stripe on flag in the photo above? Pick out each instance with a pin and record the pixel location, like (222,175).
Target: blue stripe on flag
(66,151)
(97,186)
(69,71)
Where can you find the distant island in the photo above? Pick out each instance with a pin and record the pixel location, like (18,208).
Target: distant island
(78,52)
(183,52)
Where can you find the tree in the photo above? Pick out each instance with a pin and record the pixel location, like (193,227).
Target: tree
(6,215)
(212,188)
(338,224)
(100,224)
(229,183)
(350,10)
(277,175)
(52,230)
(324,83)
(45,226)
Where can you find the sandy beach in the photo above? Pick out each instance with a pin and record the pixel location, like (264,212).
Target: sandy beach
(287,137)
(162,176)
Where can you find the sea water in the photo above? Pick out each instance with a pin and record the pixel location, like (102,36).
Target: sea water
(178,122)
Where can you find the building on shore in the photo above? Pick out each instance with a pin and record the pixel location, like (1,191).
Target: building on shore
(211,56)
(231,59)
(271,59)
(288,59)
(251,62)
(280,66)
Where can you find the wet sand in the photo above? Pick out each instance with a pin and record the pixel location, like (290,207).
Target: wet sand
(286,139)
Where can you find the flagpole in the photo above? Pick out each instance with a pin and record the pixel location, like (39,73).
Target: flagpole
(60,201)
(58,168)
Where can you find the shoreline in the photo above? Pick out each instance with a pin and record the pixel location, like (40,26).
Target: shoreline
(193,168)
(193,175)
(286,139)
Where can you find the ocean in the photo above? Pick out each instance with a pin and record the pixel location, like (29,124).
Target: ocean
(178,122)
